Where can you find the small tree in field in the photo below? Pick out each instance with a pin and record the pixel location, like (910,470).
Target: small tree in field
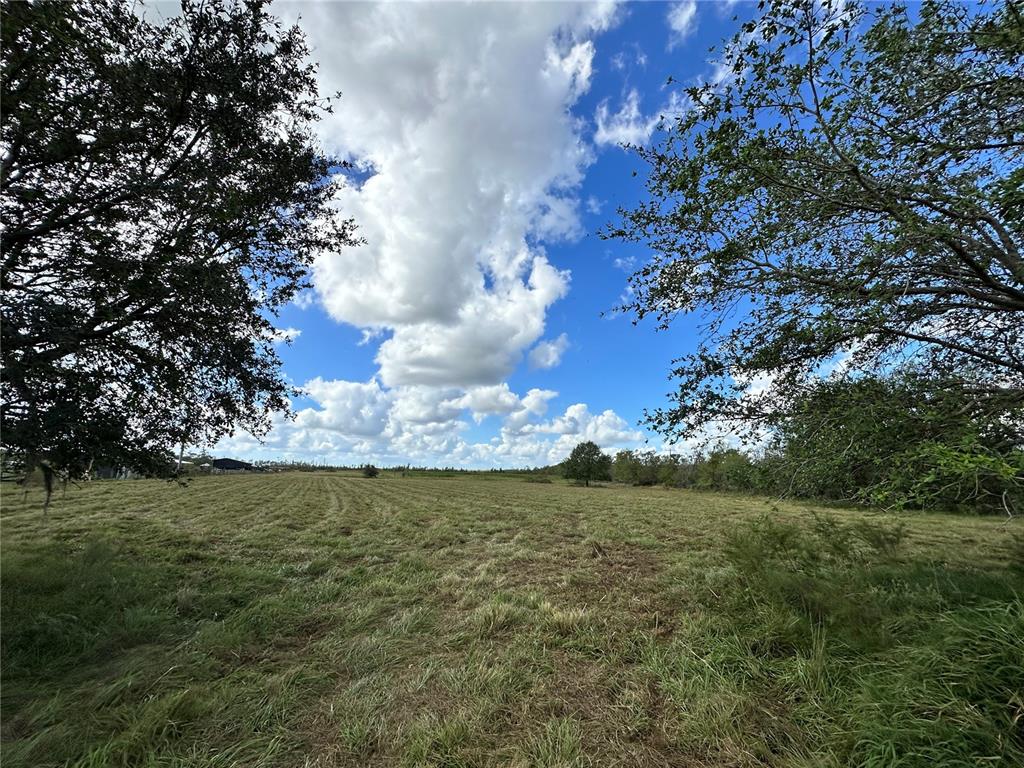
(587,462)
(370,471)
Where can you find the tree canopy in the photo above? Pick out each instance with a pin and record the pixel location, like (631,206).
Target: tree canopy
(848,189)
(902,441)
(586,463)
(163,196)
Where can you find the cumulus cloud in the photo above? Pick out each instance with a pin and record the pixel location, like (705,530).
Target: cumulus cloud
(627,126)
(482,345)
(485,401)
(548,442)
(682,21)
(358,422)
(548,354)
(346,407)
(460,114)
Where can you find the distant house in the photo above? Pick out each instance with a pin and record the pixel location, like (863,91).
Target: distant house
(231,465)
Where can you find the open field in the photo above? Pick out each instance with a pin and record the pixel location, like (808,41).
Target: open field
(331,620)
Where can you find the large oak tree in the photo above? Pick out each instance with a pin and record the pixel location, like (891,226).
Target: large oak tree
(162,197)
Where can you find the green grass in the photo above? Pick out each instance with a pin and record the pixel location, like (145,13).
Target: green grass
(329,620)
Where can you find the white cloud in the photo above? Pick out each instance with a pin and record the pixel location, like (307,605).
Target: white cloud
(627,126)
(548,354)
(421,406)
(482,345)
(346,407)
(462,113)
(594,205)
(626,264)
(682,21)
(304,299)
(622,60)
(359,422)
(285,335)
(486,401)
(548,442)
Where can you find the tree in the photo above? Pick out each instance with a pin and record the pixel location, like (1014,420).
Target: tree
(163,196)
(903,441)
(370,471)
(626,468)
(586,463)
(851,187)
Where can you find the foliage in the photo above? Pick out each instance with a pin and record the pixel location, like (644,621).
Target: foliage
(850,185)
(726,469)
(586,463)
(722,469)
(163,196)
(370,471)
(641,468)
(904,441)
(939,475)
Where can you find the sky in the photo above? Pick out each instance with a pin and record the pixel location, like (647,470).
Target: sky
(476,325)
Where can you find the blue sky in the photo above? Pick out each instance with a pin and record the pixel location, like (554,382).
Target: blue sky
(468,331)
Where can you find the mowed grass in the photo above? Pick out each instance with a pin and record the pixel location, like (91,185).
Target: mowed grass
(332,620)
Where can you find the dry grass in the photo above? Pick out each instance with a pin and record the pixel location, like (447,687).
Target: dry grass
(331,620)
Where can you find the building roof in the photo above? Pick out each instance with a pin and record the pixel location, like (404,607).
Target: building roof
(231,464)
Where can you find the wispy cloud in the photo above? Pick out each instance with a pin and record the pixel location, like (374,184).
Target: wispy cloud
(682,21)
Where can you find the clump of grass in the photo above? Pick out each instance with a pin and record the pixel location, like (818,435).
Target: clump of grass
(439,742)
(360,735)
(821,628)
(359,738)
(563,622)
(633,705)
(62,609)
(493,618)
(821,572)
(558,745)
(310,568)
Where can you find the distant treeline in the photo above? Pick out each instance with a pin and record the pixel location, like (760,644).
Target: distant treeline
(893,443)
(956,486)
(897,442)
(404,470)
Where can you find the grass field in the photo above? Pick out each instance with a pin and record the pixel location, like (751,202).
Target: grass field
(331,620)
